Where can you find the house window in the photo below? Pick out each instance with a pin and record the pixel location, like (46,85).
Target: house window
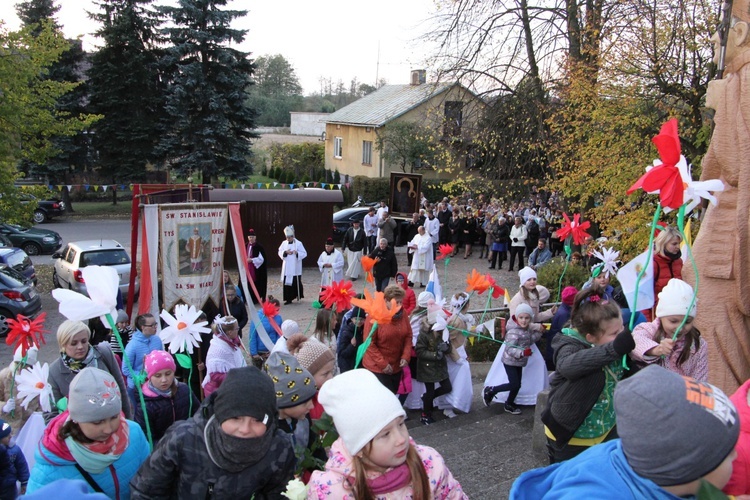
(367,152)
(453,118)
(338,147)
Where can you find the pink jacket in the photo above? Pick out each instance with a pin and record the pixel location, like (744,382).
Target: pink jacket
(739,483)
(535,304)
(696,366)
(330,483)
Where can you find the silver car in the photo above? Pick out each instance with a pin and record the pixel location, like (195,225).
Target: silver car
(78,254)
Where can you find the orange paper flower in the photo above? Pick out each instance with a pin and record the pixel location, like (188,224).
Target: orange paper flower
(497,290)
(338,295)
(476,282)
(376,307)
(367,264)
(445,250)
(26,332)
(270,309)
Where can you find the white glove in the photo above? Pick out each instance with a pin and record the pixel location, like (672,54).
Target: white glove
(9,406)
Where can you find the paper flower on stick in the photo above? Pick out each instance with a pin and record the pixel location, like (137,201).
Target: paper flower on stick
(574,228)
(441,325)
(367,264)
(609,261)
(497,290)
(102,283)
(445,250)
(376,307)
(664,177)
(696,191)
(476,282)
(338,295)
(32,382)
(270,309)
(26,332)
(182,332)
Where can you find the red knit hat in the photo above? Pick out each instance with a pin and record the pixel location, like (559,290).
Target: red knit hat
(568,295)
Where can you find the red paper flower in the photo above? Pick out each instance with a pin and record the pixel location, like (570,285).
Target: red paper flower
(576,228)
(376,307)
(476,282)
(339,294)
(445,250)
(26,332)
(497,290)
(270,309)
(665,178)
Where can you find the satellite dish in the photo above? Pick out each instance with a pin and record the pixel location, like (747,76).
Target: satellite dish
(323,137)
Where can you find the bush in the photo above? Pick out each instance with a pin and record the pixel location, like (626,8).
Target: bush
(549,275)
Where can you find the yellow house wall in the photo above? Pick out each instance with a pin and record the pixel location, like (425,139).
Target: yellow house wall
(351,159)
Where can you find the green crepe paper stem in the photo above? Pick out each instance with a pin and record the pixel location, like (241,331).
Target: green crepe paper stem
(138,387)
(447,260)
(568,253)
(363,348)
(466,333)
(657,213)
(16,370)
(681,228)
(185,361)
(489,303)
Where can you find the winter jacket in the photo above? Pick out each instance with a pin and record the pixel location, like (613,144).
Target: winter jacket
(256,345)
(500,233)
(518,342)
(60,378)
(410,300)
(136,350)
(520,234)
(16,470)
(576,383)
(739,483)
(180,467)
(665,268)
(430,367)
(387,266)
(333,482)
(355,244)
(346,352)
(559,320)
(539,257)
(391,343)
(696,366)
(238,310)
(164,411)
(387,229)
(534,303)
(602,471)
(54,461)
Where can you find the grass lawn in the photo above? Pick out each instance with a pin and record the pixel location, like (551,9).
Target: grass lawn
(100,208)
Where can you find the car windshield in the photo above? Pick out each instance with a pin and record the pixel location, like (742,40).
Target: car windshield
(104,258)
(15,259)
(17,227)
(11,278)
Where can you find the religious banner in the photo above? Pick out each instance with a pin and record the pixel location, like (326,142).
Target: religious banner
(192,251)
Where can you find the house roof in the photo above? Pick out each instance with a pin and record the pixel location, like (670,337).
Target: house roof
(386,103)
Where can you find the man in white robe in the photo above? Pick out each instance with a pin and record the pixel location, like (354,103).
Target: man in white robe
(331,264)
(291,252)
(421,264)
(432,228)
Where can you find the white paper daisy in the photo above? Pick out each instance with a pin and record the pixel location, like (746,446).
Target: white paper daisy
(182,332)
(32,382)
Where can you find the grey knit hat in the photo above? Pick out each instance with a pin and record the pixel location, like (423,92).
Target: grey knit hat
(674,429)
(293,384)
(93,395)
(245,392)
(122,317)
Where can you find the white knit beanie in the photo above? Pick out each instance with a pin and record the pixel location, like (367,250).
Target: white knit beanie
(675,299)
(424,299)
(360,407)
(526,274)
(289,327)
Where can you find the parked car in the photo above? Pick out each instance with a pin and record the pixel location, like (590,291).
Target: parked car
(16,297)
(20,261)
(79,254)
(32,240)
(46,209)
(342,220)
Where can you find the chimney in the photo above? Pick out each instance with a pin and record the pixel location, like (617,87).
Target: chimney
(418,76)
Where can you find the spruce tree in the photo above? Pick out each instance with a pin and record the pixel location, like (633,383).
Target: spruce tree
(210,124)
(125,86)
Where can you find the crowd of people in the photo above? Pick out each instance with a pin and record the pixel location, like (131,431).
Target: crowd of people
(129,423)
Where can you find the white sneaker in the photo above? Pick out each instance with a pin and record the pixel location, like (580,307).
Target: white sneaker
(449,413)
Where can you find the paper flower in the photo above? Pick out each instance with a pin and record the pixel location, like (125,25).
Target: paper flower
(270,309)
(26,332)
(445,250)
(367,264)
(339,294)
(610,261)
(182,332)
(476,282)
(574,228)
(32,382)
(664,177)
(695,191)
(441,325)
(102,283)
(497,290)
(376,307)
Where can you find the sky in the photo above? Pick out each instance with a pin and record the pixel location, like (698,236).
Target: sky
(331,39)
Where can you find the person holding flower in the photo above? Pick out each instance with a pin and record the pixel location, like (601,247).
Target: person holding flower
(14,413)
(224,353)
(76,354)
(91,439)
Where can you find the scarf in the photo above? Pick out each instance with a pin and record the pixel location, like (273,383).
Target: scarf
(164,394)
(75,365)
(393,480)
(95,457)
(234,343)
(235,454)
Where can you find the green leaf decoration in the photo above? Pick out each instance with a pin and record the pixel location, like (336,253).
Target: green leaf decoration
(568,250)
(184,360)
(62,404)
(317,305)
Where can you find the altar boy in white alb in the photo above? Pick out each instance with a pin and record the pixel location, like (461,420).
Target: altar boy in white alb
(291,252)
(331,264)
(421,264)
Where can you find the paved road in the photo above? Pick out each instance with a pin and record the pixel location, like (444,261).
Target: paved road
(87,229)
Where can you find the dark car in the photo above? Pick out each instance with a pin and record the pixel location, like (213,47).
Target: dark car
(20,261)
(16,298)
(46,209)
(342,220)
(32,240)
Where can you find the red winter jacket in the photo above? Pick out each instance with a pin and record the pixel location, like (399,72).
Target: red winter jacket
(739,483)
(665,269)
(410,300)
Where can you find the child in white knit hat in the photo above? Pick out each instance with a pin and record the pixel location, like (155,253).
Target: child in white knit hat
(654,344)
(374,456)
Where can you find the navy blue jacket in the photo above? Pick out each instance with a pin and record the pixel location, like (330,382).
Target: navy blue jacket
(163,411)
(16,470)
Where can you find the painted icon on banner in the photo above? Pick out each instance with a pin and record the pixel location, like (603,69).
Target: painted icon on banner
(195,249)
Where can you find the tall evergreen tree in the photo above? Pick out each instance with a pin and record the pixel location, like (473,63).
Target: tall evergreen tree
(210,123)
(125,86)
